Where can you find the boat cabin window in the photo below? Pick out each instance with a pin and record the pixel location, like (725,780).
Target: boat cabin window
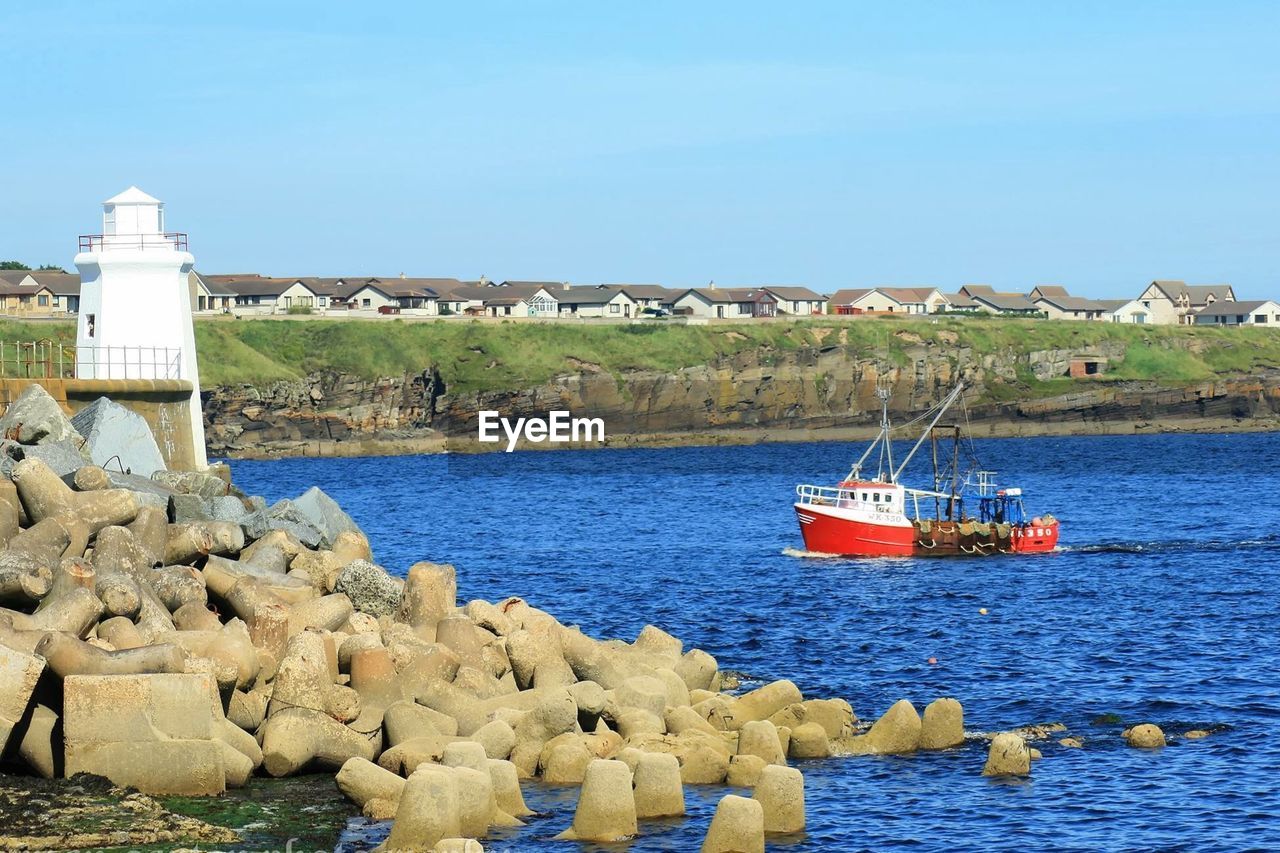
(876,497)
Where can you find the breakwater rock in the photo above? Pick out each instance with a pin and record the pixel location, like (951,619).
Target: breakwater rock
(761,394)
(177,637)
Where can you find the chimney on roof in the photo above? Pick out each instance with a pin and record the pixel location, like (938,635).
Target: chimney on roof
(564,285)
(402,276)
(711,285)
(483,280)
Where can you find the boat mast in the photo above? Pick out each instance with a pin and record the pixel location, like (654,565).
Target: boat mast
(942,410)
(881,440)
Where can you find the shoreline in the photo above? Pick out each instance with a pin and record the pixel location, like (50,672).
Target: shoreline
(438,444)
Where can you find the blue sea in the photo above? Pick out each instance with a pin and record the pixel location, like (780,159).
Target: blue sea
(1161,606)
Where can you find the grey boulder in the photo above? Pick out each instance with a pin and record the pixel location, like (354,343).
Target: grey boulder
(118,438)
(35,418)
(325,515)
(370,588)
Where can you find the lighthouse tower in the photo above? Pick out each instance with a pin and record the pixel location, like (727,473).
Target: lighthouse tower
(135,303)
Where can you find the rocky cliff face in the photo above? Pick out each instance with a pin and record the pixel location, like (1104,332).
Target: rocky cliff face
(821,388)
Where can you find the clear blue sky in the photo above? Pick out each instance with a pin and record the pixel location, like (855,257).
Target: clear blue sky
(1097,145)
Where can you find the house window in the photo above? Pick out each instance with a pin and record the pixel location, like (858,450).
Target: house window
(1260,318)
(43,302)
(364,303)
(109,219)
(324,300)
(615,308)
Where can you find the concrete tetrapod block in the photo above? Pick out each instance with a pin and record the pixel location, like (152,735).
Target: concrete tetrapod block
(18,676)
(295,738)
(1008,756)
(606,806)
(478,804)
(809,740)
(760,737)
(763,702)
(738,827)
(489,616)
(44,495)
(657,788)
(1145,736)
(465,753)
(67,656)
(895,733)
(430,594)
(943,725)
(361,781)
(745,770)
(780,791)
(428,810)
(506,788)
(497,738)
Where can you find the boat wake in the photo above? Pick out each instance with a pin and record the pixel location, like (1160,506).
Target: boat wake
(801,554)
(1176,547)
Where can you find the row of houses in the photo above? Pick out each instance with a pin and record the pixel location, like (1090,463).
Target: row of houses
(1162,302)
(446,296)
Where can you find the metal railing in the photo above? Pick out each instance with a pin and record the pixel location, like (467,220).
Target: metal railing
(169,240)
(48,359)
(845,497)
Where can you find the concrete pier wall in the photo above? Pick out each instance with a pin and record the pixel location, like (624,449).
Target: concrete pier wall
(164,403)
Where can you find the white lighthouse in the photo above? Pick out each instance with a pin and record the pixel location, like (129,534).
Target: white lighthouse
(135,302)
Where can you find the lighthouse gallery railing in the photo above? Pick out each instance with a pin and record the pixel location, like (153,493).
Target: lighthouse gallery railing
(46,359)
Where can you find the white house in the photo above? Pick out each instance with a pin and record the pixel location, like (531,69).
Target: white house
(647,296)
(1121,311)
(1174,302)
(799,301)
(1261,312)
(596,302)
(726,303)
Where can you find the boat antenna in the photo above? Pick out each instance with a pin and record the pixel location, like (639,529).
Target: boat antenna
(942,410)
(886,445)
(881,440)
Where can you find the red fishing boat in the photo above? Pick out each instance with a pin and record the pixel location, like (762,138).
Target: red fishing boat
(878,516)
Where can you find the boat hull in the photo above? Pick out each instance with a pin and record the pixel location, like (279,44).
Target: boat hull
(828,532)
